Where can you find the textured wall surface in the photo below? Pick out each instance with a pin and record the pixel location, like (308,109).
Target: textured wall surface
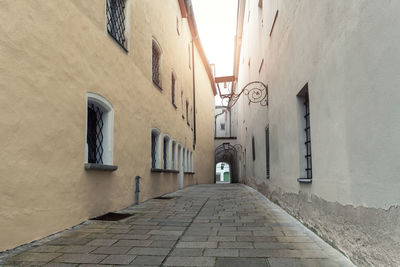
(52,54)
(348,53)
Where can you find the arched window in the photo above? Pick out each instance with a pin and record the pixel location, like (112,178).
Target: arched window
(155,149)
(173,89)
(184,159)
(166,152)
(99,130)
(173,164)
(187,161)
(191,162)
(156,63)
(179,159)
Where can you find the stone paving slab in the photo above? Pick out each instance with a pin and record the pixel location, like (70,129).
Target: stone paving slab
(203,225)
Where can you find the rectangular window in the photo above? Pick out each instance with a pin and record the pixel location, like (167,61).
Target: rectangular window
(95,134)
(155,149)
(187,113)
(173,155)
(173,89)
(166,152)
(156,64)
(267,151)
(253,146)
(305,130)
(223,126)
(115,12)
(183,107)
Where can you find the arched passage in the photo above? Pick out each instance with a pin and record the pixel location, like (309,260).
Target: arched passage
(222,172)
(228,154)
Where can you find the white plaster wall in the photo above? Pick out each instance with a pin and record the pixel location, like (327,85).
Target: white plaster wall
(348,52)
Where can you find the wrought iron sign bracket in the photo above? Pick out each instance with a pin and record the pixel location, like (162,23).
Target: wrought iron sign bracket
(256,92)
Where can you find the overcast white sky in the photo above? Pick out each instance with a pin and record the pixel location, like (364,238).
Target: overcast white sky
(216,22)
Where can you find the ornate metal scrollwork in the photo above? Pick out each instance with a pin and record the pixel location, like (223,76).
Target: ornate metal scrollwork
(256,92)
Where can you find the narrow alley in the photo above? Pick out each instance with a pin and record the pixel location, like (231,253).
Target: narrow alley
(202,225)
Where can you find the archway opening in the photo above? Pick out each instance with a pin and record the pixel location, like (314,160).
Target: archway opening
(222,173)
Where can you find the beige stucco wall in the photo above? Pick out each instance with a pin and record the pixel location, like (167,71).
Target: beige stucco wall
(52,54)
(348,53)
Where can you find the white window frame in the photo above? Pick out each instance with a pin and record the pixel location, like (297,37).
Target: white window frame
(167,164)
(157,155)
(184,159)
(191,162)
(108,127)
(174,155)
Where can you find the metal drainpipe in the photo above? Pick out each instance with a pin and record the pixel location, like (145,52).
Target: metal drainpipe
(137,180)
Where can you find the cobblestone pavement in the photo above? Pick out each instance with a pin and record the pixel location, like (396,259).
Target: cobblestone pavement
(203,225)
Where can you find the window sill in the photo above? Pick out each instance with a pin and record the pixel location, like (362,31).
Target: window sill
(163,170)
(100,167)
(171,171)
(304,180)
(189,173)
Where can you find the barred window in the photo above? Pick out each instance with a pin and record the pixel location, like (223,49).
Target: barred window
(305,138)
(115,11)
(99,128)
(155,149)
(166,153)
(173,89)
(267,151)
(173,164)
(253,146)
(95,133)
(156,64)
(187,113)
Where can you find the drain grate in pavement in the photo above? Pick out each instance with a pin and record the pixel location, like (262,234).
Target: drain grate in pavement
(164,197)
(112,216)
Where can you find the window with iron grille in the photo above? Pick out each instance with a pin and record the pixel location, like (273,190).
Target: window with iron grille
(173,89)
(173,155)
(183,107)
(187,112)
(115,11)
(184,159)
(156,64)
(99,130)
(307,130)
(253,146)
(267,151)
(95,136)
(166,152)
(304,103)
(155,148)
